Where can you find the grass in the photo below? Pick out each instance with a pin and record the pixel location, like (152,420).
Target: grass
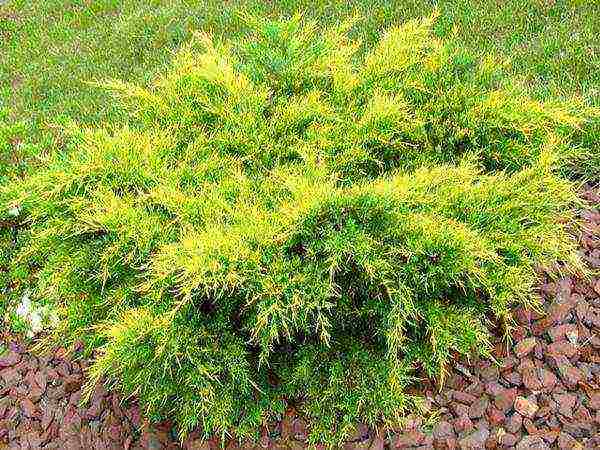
(50,50)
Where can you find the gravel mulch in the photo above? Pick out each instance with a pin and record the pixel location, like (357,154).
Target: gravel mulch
(544,393)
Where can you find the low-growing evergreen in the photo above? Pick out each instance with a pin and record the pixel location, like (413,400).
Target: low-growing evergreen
(287,219)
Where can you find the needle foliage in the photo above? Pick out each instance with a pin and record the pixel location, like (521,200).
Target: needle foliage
(287,219)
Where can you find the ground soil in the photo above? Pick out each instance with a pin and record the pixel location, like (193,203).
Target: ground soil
(542,392)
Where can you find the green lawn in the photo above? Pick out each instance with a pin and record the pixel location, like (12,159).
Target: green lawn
(50,50)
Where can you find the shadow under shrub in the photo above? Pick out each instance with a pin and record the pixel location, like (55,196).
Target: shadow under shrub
(285,219)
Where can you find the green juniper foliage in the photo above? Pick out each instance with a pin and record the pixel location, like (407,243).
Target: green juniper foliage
(286,218)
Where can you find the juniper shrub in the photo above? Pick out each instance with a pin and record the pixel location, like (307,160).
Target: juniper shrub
(286,219)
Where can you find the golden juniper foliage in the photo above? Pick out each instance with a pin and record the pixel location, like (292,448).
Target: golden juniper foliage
(284,218)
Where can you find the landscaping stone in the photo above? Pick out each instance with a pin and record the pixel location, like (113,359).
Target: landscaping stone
(532,443)
(514,423)
(505,400)
(443,430)
(525,347)
(475,440)
(477,409)
(525,407)
(9,360)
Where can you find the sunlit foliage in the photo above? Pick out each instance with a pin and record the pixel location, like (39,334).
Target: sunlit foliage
(283,218)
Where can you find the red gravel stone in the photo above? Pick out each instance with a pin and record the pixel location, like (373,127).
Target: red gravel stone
(506,399)
(495,416)
(475,440)
(443,430)
(583,310)
(377,444)
(514,378)
(594,401)
(582,414)
(518,333)
(409,439)
(72,383)
(597,287)
(529,426)
(463,397)
(561,332)
(11,377)
(488,372)
(562,348)
(463,424)
(567,441)
(508,363)
(477,409)
(514,423)
(47,417)
(526,363)
(547,379)
(525,407)
(29,409)
(532,443)
(560,310)
(570,375)
(525,347)
(540,326)
(566,403)
(493,388)
(531,380)
(549,436)
(508,439)
(459,409)
(41,379)
(9,360)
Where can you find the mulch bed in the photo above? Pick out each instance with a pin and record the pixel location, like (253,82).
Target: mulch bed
(544,393)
